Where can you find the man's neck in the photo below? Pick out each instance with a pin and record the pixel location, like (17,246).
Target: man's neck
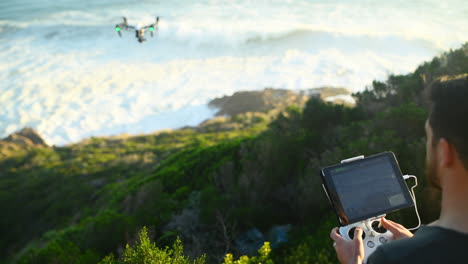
(454,209)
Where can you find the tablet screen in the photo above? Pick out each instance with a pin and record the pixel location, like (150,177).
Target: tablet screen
(369,187)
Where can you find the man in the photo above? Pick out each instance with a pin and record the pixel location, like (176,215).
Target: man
(445,240)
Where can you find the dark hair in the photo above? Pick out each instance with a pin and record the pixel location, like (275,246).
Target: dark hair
(448,118)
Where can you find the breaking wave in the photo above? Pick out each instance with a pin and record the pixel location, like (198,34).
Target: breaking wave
(65,71)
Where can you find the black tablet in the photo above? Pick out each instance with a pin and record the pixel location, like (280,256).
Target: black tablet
(366,188)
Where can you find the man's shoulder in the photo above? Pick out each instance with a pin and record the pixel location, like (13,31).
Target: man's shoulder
(428,245)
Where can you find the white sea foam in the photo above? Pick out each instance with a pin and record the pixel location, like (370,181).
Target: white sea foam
(344,97)
(65,72)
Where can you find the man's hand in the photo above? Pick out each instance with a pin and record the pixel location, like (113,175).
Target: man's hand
(348,251)
(398,230)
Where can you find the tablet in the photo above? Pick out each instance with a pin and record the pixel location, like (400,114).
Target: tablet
(365,188)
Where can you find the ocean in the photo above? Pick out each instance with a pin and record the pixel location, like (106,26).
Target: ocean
(65,72)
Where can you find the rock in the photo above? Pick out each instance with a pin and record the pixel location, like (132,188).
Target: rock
(27,136)
(257,101)
(324,92)
(18,142)
(270,99)
(98,183)
(250,242)
(278,235)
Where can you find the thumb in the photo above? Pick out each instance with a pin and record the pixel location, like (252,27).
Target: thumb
(358,234)
(358,245)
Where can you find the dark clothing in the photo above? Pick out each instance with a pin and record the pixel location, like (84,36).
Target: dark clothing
(430,244)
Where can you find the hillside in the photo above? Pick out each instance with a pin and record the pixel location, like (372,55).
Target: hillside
(225,186)
(84,172)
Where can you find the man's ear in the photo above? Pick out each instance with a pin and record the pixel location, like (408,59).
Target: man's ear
(445,153)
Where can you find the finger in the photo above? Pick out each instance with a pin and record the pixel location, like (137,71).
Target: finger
(391,226)
(334,234)
(358,234)
(390,222)
(358,244)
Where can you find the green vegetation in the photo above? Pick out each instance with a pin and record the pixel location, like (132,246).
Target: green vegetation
(263,257)
(147,252)
(85,202)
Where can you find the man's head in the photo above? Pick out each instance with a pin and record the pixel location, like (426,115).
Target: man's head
(447,126)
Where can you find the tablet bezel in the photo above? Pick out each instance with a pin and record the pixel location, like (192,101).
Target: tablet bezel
(334,198)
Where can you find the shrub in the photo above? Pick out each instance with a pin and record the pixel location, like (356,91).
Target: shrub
(263,258)
(146,252)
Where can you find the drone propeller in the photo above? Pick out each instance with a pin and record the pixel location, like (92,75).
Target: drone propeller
(117,29)
(154,26)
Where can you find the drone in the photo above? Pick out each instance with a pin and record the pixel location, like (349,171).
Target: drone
(140,31)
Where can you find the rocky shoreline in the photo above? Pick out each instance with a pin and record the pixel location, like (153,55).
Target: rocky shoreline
(251,104)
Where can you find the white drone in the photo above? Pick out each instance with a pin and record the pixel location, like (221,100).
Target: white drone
(140,31)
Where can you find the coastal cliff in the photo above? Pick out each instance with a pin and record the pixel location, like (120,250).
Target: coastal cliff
(221,187)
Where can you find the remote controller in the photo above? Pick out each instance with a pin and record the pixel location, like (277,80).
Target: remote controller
(373,234)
